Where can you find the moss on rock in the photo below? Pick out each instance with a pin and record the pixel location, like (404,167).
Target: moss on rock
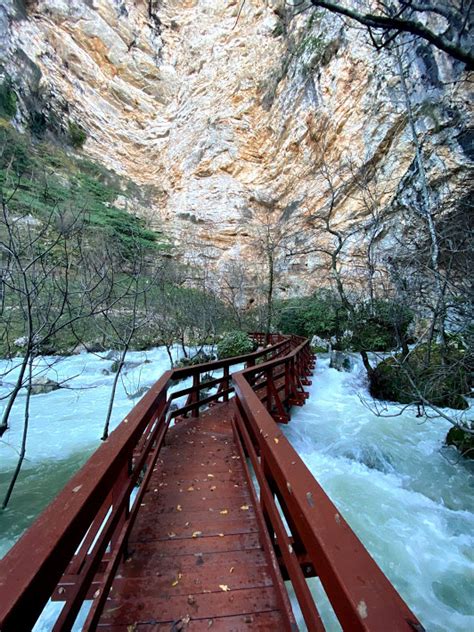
(462,440)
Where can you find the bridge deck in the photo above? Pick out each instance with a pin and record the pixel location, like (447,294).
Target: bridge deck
(198,557)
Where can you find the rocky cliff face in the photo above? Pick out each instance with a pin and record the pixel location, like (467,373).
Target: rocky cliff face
(226,112)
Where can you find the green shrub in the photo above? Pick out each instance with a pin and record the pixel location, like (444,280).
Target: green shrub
(376,326)
(442,380)
(77,136)
(234,343)
(7,99)
(321,314)
(379,326)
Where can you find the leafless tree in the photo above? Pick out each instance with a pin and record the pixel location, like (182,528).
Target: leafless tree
(41,296)
(271,238)
(445,25)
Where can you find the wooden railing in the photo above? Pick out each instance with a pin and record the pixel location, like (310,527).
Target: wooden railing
(72,551)
(317,541)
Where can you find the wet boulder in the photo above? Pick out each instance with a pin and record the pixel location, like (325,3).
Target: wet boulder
(341,361)
(462,439)
(139,392)
(42,385)
(320,345)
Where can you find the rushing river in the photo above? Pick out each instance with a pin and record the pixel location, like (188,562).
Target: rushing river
(407,497)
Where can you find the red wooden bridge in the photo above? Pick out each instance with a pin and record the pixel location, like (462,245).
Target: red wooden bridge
(203,524)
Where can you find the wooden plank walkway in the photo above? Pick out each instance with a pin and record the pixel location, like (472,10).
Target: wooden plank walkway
(199,557)
(193,552)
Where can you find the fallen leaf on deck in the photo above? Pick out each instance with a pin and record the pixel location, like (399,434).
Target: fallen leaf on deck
(224,587)
(276,439)
(179,508)
(224,512)
(244,507)
(231,570)
(176,581)
(196,534)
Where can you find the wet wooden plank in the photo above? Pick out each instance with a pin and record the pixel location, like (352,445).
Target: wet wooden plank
(211,544)
(260,621)
(196,550)
(193,574)
(146,560)
(137,602)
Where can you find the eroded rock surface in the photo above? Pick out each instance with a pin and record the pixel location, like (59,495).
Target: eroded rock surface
(223,114)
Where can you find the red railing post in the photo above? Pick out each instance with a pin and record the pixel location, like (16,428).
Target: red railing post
(196,394)
(117,490)
(268,477)
(226,383)
(268,377)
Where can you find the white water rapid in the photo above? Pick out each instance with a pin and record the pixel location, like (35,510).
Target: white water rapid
(407,497)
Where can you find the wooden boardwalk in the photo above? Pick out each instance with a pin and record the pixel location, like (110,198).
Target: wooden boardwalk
(198,557)
(171,526)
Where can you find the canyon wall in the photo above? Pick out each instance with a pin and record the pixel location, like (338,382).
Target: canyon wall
(231,115)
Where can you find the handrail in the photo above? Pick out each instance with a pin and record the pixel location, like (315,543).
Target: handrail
(361,595)
(32,569)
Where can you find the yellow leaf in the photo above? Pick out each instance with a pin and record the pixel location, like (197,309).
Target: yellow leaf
(224,512)
(190,489)
(276,439)
(210,475)
(196,534)
(176,581)
(171,534)
(224,587)
(244,507)
(179,508)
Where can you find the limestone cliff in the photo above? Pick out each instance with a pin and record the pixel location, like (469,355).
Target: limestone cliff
(222,109)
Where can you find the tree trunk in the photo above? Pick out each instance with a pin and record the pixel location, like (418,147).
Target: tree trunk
(21,456)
